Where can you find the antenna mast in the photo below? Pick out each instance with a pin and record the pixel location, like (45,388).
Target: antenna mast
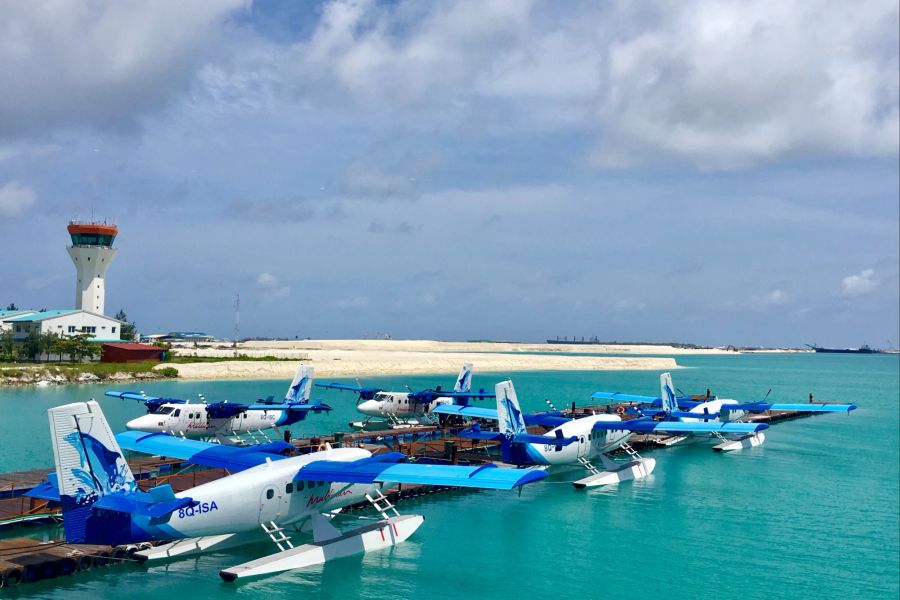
(237,321)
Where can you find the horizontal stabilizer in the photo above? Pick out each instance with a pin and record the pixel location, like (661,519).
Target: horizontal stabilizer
(648,425)
(233,458)
(474,433)
(46,490)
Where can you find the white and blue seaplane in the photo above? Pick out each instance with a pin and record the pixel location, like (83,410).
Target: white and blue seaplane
(267,496)
(689,409)
(226,422)
(581,441)
(408,409)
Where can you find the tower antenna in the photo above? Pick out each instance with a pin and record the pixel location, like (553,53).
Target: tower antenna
(237,321)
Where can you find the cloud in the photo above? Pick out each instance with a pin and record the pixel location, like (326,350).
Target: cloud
(15,199)
(399,228)
(267,280)
(102,63)
(292,211)
(271,287)
(860,284)
(766,301)
(355,302)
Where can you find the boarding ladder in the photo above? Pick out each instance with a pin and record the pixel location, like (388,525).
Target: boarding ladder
(277,535)
(382,504)
(587,465)
(631,452)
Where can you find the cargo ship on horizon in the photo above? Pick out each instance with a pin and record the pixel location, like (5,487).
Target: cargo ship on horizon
(864,349)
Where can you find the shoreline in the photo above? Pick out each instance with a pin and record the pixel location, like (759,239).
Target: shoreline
(426,365)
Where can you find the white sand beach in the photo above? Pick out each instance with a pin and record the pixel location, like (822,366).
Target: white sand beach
(350,358)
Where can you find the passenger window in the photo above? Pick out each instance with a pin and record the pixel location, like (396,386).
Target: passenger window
(270,493)
(300,485)
(289,488)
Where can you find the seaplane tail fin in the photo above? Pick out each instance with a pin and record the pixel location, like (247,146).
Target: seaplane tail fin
(301,385)
(509,414)
(667,393)
(464,381)
(89,463)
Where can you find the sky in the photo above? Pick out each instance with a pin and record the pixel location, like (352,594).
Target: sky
(707,172)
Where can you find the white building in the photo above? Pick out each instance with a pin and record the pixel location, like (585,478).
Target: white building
(64,323)
(91,252)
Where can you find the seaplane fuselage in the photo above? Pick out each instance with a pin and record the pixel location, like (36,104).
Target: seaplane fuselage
(191,420)
(589,445)
(262,494)
(398,404)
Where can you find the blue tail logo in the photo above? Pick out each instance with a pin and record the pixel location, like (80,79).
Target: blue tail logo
(667,393)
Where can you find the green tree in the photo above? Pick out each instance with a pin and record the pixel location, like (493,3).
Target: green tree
(12,306)
(82,347)
(9,350)
(35,343)
(129,328)
(48,342)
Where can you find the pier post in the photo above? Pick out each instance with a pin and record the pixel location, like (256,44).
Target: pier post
(339,439)
(450,451)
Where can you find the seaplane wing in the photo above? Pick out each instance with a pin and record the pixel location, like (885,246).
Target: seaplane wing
(471,412)
(620,397)
(225,410)
(314,407)
(430,395)
(475,412)
(393,468)
(761,406)
(233,458)
(152,402)
(650,426)
(365,393)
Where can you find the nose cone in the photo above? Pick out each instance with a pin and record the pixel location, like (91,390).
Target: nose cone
(370,407)
(146,423)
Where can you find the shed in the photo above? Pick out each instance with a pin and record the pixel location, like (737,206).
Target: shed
(127,352)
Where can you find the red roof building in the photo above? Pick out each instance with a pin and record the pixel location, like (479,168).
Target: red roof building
(123,353)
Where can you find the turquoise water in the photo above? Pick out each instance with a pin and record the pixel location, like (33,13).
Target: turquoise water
(812,512)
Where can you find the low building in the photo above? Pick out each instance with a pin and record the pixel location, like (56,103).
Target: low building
(64,323)
(9,314)
(129,352)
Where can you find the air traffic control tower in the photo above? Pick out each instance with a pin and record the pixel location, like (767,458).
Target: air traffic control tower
(92,252)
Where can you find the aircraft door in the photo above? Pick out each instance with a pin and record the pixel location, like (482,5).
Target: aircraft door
(272,504)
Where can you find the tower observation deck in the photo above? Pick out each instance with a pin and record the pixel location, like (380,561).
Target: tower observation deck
(91,252)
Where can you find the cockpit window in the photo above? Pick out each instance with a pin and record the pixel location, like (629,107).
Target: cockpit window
(164,410)
(177,412)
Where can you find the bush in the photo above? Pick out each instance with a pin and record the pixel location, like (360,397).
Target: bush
(168,372)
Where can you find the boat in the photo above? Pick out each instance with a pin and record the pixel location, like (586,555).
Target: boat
(864,349)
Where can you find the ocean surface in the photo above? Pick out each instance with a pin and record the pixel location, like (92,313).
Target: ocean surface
(811,513)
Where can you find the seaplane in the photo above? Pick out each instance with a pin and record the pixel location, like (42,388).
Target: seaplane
(578,442)
(226,422)
(692,409)
(267,495)
(408,409)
